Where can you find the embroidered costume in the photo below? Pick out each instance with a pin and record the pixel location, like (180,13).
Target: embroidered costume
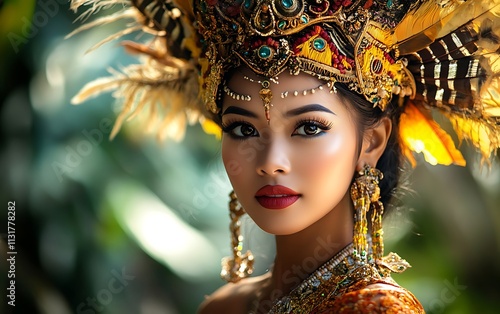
(421,57)
(341,286)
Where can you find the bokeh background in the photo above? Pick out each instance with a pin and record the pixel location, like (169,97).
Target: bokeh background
(136,226)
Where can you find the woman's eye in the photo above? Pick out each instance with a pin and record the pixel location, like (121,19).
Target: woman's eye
(244,130)
(308,129)
(241,130)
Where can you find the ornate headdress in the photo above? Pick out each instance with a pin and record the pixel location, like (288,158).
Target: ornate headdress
(441,54)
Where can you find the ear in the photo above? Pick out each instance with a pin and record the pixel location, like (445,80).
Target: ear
(374,143)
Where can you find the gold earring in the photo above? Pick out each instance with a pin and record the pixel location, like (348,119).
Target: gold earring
(240,265)
(365,194)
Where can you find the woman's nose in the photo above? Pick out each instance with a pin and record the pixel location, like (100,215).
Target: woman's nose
(273,158)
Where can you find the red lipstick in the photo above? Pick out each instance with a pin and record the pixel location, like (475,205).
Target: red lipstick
(276,196)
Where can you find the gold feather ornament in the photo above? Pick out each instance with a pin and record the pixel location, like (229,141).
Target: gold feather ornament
(421,134)
(454,59)
(165,84)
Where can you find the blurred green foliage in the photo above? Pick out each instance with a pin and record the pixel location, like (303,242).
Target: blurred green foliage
(136,226)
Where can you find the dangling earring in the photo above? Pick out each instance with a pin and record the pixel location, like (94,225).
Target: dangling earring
(240,265)
(365,194)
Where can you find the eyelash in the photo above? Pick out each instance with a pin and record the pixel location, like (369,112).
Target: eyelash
(321,123)
(231,125)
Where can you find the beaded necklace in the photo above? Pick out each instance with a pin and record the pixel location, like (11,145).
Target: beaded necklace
(317,287)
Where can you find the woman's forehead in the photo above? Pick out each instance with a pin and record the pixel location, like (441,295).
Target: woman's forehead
(289,92)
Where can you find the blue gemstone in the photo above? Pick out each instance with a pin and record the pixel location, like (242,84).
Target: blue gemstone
(327,276)
(264,52)
(389,4)
(281,24)
(247,4)
(304,19)
(316,283)
(319,44)
(287,4)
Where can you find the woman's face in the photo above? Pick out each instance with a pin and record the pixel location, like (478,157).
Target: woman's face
(292,172)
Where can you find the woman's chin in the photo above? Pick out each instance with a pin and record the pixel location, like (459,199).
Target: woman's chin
(280,228)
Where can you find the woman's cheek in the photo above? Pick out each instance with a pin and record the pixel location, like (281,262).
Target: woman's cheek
(237,167)
(333,150)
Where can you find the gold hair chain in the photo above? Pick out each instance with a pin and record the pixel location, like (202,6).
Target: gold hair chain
(266,94)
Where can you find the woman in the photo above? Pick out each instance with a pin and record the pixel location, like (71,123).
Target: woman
(317,101)
(296,186)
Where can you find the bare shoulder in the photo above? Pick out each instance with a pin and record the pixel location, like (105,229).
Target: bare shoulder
(232,298)
(377,298)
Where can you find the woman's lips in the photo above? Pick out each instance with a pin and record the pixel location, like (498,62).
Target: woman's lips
(276,196)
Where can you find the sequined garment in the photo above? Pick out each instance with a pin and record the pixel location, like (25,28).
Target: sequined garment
(342,285)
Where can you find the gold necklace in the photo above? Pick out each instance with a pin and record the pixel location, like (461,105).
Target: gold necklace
(332,273)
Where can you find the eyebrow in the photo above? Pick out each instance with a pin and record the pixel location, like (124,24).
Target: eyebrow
(308,108)
(293,112)
(240,111)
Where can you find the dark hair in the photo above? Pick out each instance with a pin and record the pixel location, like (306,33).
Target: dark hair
(367,116)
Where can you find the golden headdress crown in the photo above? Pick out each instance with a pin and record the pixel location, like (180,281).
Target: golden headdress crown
(339,41)
(432,54)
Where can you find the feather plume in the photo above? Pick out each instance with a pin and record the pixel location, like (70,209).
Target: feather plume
(95,6)
(421,134)
(454,58)
(435,19)
(94,88)
(484,135)
(490,98)
(122,14)
(163,87)
(114,36)
(166,92)
(458,72)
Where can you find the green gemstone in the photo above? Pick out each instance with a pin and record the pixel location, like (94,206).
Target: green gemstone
(281,24)
(389,4)
(287,4)
(304,19)
(264,52)
(319,44)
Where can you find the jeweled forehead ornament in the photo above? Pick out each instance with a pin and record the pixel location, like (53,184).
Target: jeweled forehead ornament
(265,93)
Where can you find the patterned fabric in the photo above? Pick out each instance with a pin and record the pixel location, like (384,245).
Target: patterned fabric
(362,299)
